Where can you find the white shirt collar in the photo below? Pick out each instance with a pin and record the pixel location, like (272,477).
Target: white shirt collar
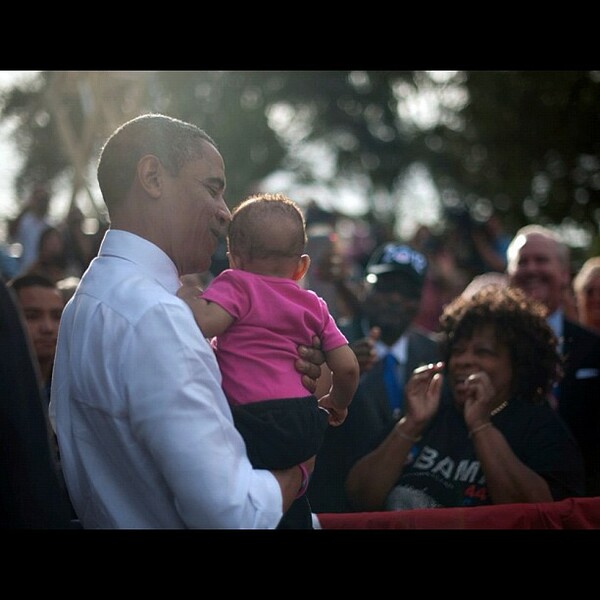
(146,255)
(399,349)
(555,320)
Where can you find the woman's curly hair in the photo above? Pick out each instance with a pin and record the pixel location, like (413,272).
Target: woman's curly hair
(519,323)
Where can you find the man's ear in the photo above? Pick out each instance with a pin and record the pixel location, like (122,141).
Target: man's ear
(302,267)
(149,171)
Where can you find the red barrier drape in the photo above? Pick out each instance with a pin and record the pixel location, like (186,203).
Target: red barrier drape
(572,513)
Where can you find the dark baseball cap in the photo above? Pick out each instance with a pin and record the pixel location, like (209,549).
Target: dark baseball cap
(400,260)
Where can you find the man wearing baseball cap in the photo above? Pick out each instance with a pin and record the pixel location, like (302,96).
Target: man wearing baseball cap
(389,347)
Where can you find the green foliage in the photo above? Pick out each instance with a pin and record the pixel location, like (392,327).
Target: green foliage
(35,137)
(539,133)
(527,142)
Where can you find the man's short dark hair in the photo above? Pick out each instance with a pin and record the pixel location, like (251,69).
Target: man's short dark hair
(172,141)
(30,280)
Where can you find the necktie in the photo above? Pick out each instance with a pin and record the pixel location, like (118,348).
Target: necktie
(392,385)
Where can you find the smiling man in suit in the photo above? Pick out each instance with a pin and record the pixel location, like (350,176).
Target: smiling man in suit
(538,263)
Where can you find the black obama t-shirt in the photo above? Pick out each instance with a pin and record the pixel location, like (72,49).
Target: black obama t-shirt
(445,472)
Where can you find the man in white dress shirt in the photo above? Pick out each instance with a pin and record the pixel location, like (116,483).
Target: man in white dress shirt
(145,433)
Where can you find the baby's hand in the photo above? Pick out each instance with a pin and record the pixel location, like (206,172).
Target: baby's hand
(336,415)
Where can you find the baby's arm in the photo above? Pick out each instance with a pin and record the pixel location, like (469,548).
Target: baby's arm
(345,372)
(211,318)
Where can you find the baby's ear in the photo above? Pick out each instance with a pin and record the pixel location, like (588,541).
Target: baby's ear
(302,267)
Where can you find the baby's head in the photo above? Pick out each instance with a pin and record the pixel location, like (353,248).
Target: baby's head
(267,234)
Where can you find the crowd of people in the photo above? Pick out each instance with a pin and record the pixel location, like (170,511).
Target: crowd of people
(493,438)
(302,373)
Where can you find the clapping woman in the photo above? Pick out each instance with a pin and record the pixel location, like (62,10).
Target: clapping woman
(478,427)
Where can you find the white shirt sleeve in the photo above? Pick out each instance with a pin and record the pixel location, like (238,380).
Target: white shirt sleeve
(177,410)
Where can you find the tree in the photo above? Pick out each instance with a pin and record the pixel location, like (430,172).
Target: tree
(63,117)
(524,144)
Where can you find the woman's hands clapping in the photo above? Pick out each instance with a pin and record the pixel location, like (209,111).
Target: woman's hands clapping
(422,393)
(480,400)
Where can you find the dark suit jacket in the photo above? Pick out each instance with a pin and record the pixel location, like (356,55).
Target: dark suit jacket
(31,492)
(368,422)
(579,396)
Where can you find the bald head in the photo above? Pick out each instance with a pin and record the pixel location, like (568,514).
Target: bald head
(538,263)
